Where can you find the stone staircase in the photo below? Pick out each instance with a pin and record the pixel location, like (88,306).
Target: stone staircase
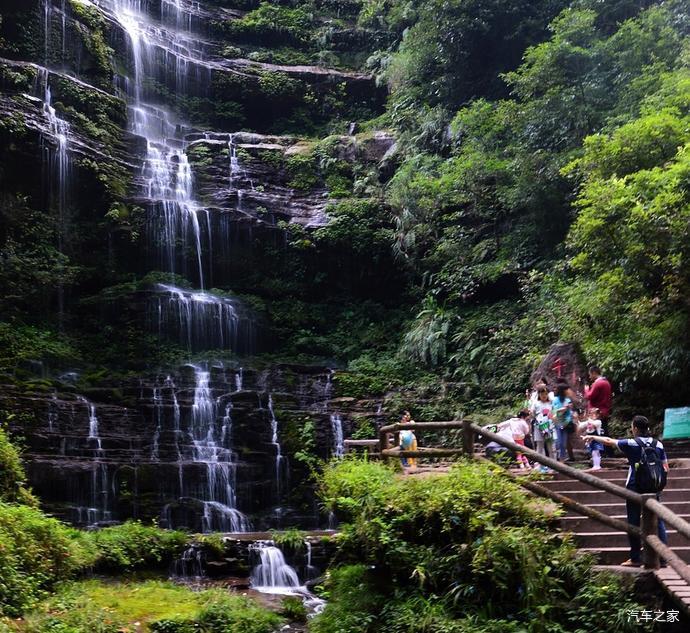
(610,546)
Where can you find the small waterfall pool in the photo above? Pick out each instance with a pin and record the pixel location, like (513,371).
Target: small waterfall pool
(273,575)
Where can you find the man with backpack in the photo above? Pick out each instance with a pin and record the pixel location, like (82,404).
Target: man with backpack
(647,474)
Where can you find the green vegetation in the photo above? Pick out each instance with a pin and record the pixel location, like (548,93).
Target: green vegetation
(108,607)
(12,476)
(270,23)
(293,609)
(292,539)
(540,216)
(132,546)
(455,553)
(36,552)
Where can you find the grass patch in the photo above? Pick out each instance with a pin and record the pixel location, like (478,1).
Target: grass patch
(96,606)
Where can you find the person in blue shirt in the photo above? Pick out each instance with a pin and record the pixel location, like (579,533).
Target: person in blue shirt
(562,415)
(631,449)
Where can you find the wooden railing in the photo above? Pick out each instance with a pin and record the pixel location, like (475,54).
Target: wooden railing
(651,509)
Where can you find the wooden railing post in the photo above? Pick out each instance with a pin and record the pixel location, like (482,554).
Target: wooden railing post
(650,527)
(467,438)
(384,443)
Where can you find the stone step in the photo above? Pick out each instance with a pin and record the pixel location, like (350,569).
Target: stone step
(617,555)
(585,524)
(603,540)
(589,497)
(573,484)
(618,507)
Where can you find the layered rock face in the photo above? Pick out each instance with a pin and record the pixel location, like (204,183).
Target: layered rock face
(127,121)
(209,447)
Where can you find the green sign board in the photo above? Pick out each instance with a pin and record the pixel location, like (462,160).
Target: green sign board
(677,423)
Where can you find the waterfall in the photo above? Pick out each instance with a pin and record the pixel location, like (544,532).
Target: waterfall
(273,574)
(234,162)
(53,412)
(190,564)
(338,447)
(56,161)
(280,460)
(93,424)
(166,172)
(238,379)
(99,508)
(220,513)
(337,433)
(60,131)
(310,570)
(202,321)
(158,413)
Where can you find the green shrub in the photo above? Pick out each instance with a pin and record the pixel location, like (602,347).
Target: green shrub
(273,25)
(303,172)
(293,609)
(358,612)
(24,342)
(222,613)
(12,476)
(454,553)
(291,539)
(345,483)
(35,553)
(131,546)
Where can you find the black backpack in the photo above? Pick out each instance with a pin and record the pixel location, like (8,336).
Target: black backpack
(650,475)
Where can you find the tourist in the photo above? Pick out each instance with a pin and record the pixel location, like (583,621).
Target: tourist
(599,396)
(538,386)
(408,441)
(494,450)
(592,426)
(632,449)
(543,427)
(562,416)
(519,428)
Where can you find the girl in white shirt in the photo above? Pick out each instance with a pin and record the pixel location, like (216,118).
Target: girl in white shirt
(544,429)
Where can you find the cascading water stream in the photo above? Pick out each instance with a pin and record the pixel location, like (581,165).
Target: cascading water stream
(279,458)
(99,509)
(56,159)
(166,173)
(93,425)
(158,412)
(220,512)
(202,321)
(273,574)
(337,432)
(190,564)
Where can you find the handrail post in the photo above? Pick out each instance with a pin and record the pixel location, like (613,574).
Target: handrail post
(384,444)
(650,527)
(467,439)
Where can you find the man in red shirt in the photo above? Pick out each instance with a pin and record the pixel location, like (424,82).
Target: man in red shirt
(599,396)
